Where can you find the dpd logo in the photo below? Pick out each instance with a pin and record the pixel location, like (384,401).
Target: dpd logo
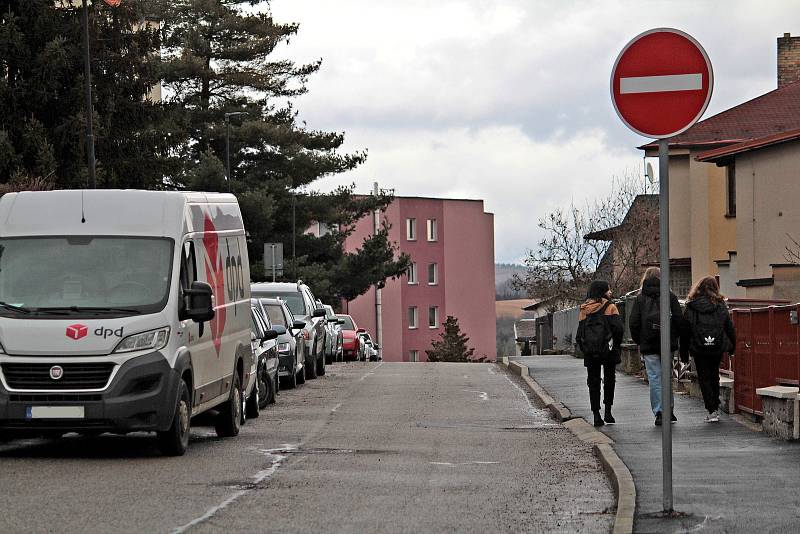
(77,331)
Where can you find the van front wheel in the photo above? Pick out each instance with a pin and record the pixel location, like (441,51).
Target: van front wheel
(175,441)
(229,420)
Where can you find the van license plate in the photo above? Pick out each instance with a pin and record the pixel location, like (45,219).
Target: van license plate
(54,412)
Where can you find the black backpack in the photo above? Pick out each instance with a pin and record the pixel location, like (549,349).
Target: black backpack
(594,334)
(651,317)
(708,334)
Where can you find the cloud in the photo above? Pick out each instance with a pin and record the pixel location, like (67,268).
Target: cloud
(505,100)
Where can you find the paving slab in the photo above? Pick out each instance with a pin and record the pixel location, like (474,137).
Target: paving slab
(727,478)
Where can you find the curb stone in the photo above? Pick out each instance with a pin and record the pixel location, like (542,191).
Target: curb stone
(615,468)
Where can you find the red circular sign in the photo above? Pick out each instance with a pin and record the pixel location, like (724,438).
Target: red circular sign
(661,83)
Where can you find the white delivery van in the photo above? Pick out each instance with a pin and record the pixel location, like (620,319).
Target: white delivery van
(122,311)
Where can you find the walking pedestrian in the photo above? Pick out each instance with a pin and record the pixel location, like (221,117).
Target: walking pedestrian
(645,325)
(599,337)
(708,333)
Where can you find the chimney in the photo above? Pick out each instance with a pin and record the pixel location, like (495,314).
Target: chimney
(788,59)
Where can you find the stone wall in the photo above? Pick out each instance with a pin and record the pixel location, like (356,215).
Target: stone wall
(778,418)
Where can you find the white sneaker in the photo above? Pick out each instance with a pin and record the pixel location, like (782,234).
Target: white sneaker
(713,417)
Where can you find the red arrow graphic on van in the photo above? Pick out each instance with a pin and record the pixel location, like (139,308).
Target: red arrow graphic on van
(215,274)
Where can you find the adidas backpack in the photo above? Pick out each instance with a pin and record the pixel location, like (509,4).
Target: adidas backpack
(708,334)
(594,334)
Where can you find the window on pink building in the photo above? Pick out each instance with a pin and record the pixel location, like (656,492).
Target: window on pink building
(413,355)
(433,317)
(412,273)
(412,317)
(433,274)
(411,229)
(433,233)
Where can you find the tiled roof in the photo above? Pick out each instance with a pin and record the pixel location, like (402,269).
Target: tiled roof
(641,202)
(774,112)
(746,146)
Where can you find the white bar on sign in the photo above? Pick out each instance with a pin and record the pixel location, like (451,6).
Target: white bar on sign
(658,84)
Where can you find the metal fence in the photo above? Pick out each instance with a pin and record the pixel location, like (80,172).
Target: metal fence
(767,352)
(565,325)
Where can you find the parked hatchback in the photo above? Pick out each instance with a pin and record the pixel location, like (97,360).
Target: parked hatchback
(291,367)
(350,339)
(264,373)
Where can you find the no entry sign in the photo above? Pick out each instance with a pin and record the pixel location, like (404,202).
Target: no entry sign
(661,83)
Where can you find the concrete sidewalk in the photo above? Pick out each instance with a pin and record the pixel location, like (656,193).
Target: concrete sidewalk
(727,478)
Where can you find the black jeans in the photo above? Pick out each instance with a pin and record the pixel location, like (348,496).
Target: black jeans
(707,368)
(593,381)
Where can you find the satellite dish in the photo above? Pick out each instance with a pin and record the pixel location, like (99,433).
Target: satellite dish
(648,173)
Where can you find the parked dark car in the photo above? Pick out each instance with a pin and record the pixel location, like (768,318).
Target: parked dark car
(291,362)
(265,351)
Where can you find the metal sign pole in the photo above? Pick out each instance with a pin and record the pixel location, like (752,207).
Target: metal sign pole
(87,88)
(666,349)
(273,246)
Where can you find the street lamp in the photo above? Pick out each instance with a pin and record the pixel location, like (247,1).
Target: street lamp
(228,144)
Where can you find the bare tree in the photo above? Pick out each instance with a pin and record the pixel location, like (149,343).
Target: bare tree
(611,237)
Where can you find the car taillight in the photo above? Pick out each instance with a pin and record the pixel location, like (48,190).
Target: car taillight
(307,335)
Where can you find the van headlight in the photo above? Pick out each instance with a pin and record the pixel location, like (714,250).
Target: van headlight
(283,347)
(150,340)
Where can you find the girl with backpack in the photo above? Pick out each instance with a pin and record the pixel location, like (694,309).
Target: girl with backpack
(645,325)
(709,332)
(599,337)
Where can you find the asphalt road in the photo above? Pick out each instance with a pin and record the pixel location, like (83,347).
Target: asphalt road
(386,447)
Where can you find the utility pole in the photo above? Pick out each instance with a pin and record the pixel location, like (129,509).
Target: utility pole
(87,86)
(376,215)
(228,143)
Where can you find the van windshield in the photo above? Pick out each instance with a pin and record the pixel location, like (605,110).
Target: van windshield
(84,275)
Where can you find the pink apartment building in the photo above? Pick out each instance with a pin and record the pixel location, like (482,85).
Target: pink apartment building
(451,244)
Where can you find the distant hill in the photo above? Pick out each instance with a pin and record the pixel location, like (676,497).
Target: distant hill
(503,273)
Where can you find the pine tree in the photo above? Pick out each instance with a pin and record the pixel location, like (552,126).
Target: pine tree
(41,93)
(218,60)
(452,347)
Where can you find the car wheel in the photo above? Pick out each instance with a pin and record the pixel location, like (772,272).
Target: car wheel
(301,374)
(175,441)
(276,387)
(311,366)
(253,406)
(321,365)
(291,380)
(229,420)
(264,386)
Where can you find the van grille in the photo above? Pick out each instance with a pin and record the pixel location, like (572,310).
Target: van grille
(28,376)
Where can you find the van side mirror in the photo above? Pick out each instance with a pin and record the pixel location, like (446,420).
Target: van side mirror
(279,330)
(319,312)
(340,321)
(334,321)
(361,331)
(298,325)
(198,302)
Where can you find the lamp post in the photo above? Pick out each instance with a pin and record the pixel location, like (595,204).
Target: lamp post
(87,87)
(228,144)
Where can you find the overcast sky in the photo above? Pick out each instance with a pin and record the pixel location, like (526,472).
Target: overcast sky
(505,100)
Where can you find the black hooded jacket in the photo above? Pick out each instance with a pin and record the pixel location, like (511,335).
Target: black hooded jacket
(704,305)
(646,307)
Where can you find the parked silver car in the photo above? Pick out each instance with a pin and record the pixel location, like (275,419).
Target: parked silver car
(301,302)
(333,335)
(290,344)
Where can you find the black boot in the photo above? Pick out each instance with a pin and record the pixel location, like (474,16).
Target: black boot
(598,421)
(658,418)
(609,419)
